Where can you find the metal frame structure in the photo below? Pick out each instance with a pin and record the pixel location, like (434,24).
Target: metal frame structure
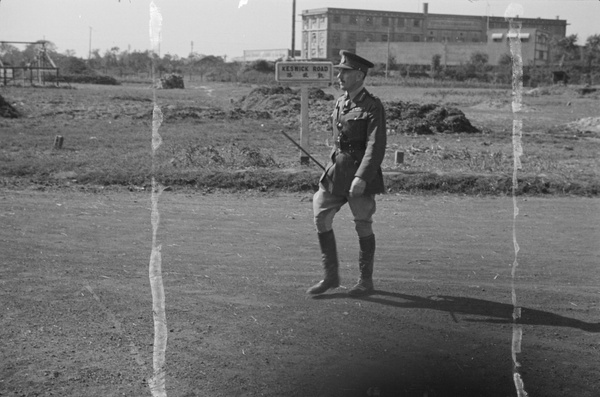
(39,66)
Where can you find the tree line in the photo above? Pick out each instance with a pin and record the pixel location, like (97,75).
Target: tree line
(128,65)
(580,62)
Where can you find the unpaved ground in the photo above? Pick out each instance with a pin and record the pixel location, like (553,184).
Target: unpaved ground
(76,311)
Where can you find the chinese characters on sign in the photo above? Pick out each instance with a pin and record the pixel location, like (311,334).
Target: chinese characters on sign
(304,72)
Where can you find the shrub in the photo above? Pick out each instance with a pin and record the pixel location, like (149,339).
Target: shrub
(172,80)
(261,66)
(85,79)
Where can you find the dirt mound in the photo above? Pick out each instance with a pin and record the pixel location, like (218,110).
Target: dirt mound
(284,103)
(587,125)
(407,117)
(7,110)
(280,101)
(422,119)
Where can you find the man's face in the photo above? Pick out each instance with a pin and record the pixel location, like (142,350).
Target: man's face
(350,79)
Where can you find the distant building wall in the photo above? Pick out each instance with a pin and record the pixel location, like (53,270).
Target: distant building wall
(325,31)
(419,53)
(534,50)
(268,55)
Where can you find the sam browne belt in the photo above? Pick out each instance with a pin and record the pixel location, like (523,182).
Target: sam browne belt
(351,145)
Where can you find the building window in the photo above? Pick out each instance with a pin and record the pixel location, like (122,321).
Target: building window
(369,21)
(417,23)
(416,38)
(337,19)
(322,23)
(401,22)
(305,24)
(353,20)
(384,37)
(385,21)
(542,55)
(368,37)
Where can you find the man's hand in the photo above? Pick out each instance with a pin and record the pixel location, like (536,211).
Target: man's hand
(358,187)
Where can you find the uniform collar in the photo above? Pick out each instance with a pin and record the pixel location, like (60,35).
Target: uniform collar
(352,95)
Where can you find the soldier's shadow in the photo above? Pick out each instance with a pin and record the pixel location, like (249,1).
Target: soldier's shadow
(493,312)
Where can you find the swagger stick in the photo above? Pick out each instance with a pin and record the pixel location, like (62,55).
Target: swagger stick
(304,151)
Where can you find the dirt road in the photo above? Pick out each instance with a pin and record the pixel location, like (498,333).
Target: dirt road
(76,307)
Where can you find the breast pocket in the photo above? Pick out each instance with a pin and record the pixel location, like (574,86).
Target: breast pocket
(357,127)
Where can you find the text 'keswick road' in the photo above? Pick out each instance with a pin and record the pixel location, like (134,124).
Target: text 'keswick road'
(304,72)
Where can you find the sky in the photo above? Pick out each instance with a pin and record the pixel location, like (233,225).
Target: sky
(228,27)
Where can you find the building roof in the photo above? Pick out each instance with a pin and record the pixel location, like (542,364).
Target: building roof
(317,11)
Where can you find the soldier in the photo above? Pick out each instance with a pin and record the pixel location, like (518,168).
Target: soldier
(353,175)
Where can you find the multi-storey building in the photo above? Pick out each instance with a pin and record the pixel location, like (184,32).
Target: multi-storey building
(327,30)
(534,49)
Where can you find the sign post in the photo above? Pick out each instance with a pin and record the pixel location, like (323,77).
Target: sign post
(305,74)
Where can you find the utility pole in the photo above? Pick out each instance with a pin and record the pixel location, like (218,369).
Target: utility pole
(90,49)
(293,56)
(387,61)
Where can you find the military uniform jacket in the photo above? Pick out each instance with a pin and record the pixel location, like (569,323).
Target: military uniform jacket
(359,132)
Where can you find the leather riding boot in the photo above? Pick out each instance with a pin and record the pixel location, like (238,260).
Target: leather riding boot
(330,264)
(365,263)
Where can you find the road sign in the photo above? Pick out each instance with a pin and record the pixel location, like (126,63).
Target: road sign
(304,72)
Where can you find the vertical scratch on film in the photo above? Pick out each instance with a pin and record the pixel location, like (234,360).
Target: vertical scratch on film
(512,13)
(157,381)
